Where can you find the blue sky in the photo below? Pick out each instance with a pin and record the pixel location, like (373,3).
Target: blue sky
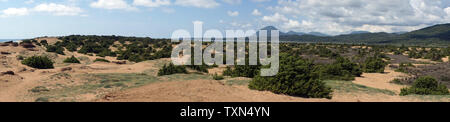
(159,18)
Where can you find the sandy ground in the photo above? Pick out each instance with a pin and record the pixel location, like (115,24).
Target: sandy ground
(198,91)
(381,80)
(17,87)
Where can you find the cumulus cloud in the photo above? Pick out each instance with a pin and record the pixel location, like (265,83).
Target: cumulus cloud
(58,9)
(151,3)
(233,2)
(338,16)
(233,13)
(29,1)
(198,3)
(51,8)
(277,17)
(241,25)
(256,12)
(112,4)
(14,12)
(260,0)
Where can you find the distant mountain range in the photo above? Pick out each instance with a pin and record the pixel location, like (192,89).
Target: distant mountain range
(437,35)
(291,33)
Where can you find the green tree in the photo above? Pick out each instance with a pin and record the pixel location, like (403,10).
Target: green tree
(374,65)
(295,77)
(171,69)
(426,86)
(39,62)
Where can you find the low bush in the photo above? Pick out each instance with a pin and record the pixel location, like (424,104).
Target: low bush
(374,65)
(341,69)
(249,71)
(39,89)
(101,60)
(171,69)
(403,67)
(72,60)
(39,62)
(425,86)
(55,49)
(295,78)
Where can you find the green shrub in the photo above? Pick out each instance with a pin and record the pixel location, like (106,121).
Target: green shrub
(71,47)
(403,67)
(39,89)
(171,69)
(425,86)
(42,99)
(295,77)
(341,69)
(55,49)
(72,60)
(397,81)
(39,62)
(246,70)
(101,60)
(44,42)
(20,57)
(374,65)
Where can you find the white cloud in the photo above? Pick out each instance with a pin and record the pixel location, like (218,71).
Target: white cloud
(447,10)
(233,13)
(151,3)
(256,12)
(260,0)
(29,1)
(58,9)
(233,2)
(112,4)
(277,17)
(197,22)
(198,3)
(14,12)
(341,16)
(168,10)
(239,25)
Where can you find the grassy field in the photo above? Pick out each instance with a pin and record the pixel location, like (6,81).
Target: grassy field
(348,86)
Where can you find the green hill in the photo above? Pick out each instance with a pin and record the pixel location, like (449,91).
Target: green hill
(437,35)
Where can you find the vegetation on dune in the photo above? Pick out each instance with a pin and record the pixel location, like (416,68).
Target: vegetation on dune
(303,67)
(72,60)
(55,49)
(101,60)
(295,77)
(426,86)
(341,69)
(39,62)
(403,67)
(249,71)
(374,65)
(130,48)
(171,69)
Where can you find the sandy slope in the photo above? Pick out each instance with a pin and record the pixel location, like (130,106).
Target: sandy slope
(198,91)
(16,87)
(381,80)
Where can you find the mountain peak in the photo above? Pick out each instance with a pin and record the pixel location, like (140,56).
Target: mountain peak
(269,28)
